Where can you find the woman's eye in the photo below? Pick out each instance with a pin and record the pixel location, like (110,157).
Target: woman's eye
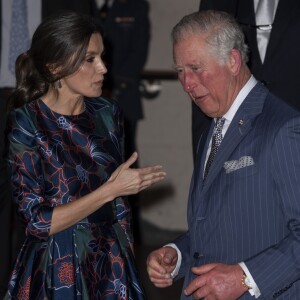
(90,59)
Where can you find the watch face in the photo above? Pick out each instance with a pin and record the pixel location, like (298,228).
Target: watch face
(247,281)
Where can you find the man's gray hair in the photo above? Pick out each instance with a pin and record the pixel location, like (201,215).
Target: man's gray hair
(222,33)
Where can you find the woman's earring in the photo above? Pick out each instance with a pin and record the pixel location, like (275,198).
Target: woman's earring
(57,84)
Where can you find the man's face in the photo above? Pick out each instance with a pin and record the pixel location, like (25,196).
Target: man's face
(208,83)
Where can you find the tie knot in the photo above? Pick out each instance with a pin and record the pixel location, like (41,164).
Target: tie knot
(219,124)
(265,12)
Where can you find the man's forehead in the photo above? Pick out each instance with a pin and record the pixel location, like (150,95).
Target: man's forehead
(190,54)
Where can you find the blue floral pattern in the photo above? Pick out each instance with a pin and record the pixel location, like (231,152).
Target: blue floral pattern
(54,160)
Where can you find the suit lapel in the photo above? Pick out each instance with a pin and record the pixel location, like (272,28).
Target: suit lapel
(201,154)
(238,129)
(197,179)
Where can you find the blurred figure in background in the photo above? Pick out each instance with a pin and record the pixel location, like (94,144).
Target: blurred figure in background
(271,28)
(126,39)
(19,19)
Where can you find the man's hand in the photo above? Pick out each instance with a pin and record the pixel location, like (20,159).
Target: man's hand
(216,282)
(160,264)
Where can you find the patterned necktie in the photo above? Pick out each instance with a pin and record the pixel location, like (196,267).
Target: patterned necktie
(264,19)
(215,144)
(19,34)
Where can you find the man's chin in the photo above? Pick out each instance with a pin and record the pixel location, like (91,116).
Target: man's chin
(204,108)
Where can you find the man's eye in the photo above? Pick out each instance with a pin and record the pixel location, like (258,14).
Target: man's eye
(178,70)
(195,68)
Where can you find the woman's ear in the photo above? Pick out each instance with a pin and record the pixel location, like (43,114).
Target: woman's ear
(53,69)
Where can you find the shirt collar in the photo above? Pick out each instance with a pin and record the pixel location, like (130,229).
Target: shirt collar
(240,98)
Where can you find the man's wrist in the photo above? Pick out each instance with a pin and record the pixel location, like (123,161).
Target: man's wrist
(179,259)
(245,282)
(254,290)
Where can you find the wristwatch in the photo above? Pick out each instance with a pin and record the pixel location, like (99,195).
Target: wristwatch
(246,282)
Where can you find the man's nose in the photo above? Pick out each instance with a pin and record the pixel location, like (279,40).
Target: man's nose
(188,86)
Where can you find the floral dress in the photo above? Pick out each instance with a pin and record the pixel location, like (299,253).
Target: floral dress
(56,159)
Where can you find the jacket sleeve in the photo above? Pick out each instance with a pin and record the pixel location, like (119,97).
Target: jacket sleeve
(182,243)
(276,268)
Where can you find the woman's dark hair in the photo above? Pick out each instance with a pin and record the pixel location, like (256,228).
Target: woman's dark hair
(59,44)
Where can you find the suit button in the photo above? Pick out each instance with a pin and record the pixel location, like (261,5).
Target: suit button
(196,255)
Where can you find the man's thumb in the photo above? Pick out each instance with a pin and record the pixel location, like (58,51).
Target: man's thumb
(167,260)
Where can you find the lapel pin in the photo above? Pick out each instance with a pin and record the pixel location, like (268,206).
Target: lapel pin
(241,122)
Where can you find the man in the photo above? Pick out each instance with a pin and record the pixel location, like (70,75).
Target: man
(126,38)
(243,212)
(279,68)
(34,12)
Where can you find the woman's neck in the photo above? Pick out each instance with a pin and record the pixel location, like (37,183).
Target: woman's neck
(64,105)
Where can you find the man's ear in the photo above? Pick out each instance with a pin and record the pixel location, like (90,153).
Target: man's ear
(235,61)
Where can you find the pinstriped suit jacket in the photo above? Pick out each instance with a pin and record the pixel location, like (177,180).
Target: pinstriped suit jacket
(280,69)
(251,214)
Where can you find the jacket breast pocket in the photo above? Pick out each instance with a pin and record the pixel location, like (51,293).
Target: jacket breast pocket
(242,172)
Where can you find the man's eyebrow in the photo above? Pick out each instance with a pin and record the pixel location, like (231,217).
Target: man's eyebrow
(188,65)
(174,66)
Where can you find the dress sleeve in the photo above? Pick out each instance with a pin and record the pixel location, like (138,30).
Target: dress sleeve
(27,176)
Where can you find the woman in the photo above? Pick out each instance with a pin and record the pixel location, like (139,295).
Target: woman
(65,155)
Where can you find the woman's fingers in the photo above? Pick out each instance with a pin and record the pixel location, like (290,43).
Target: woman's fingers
(151,179)
(150,175)
(149,170)
(133,180)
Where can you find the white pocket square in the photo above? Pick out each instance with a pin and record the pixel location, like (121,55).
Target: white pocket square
(233,165)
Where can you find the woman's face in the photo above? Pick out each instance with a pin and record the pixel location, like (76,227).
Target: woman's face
(88,80)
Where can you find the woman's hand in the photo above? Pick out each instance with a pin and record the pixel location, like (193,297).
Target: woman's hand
(128,181)
(124,181)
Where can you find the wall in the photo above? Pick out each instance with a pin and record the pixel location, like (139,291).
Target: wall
(164,136)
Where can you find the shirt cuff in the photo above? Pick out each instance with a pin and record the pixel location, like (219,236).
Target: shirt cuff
(179,259)
(254,291)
